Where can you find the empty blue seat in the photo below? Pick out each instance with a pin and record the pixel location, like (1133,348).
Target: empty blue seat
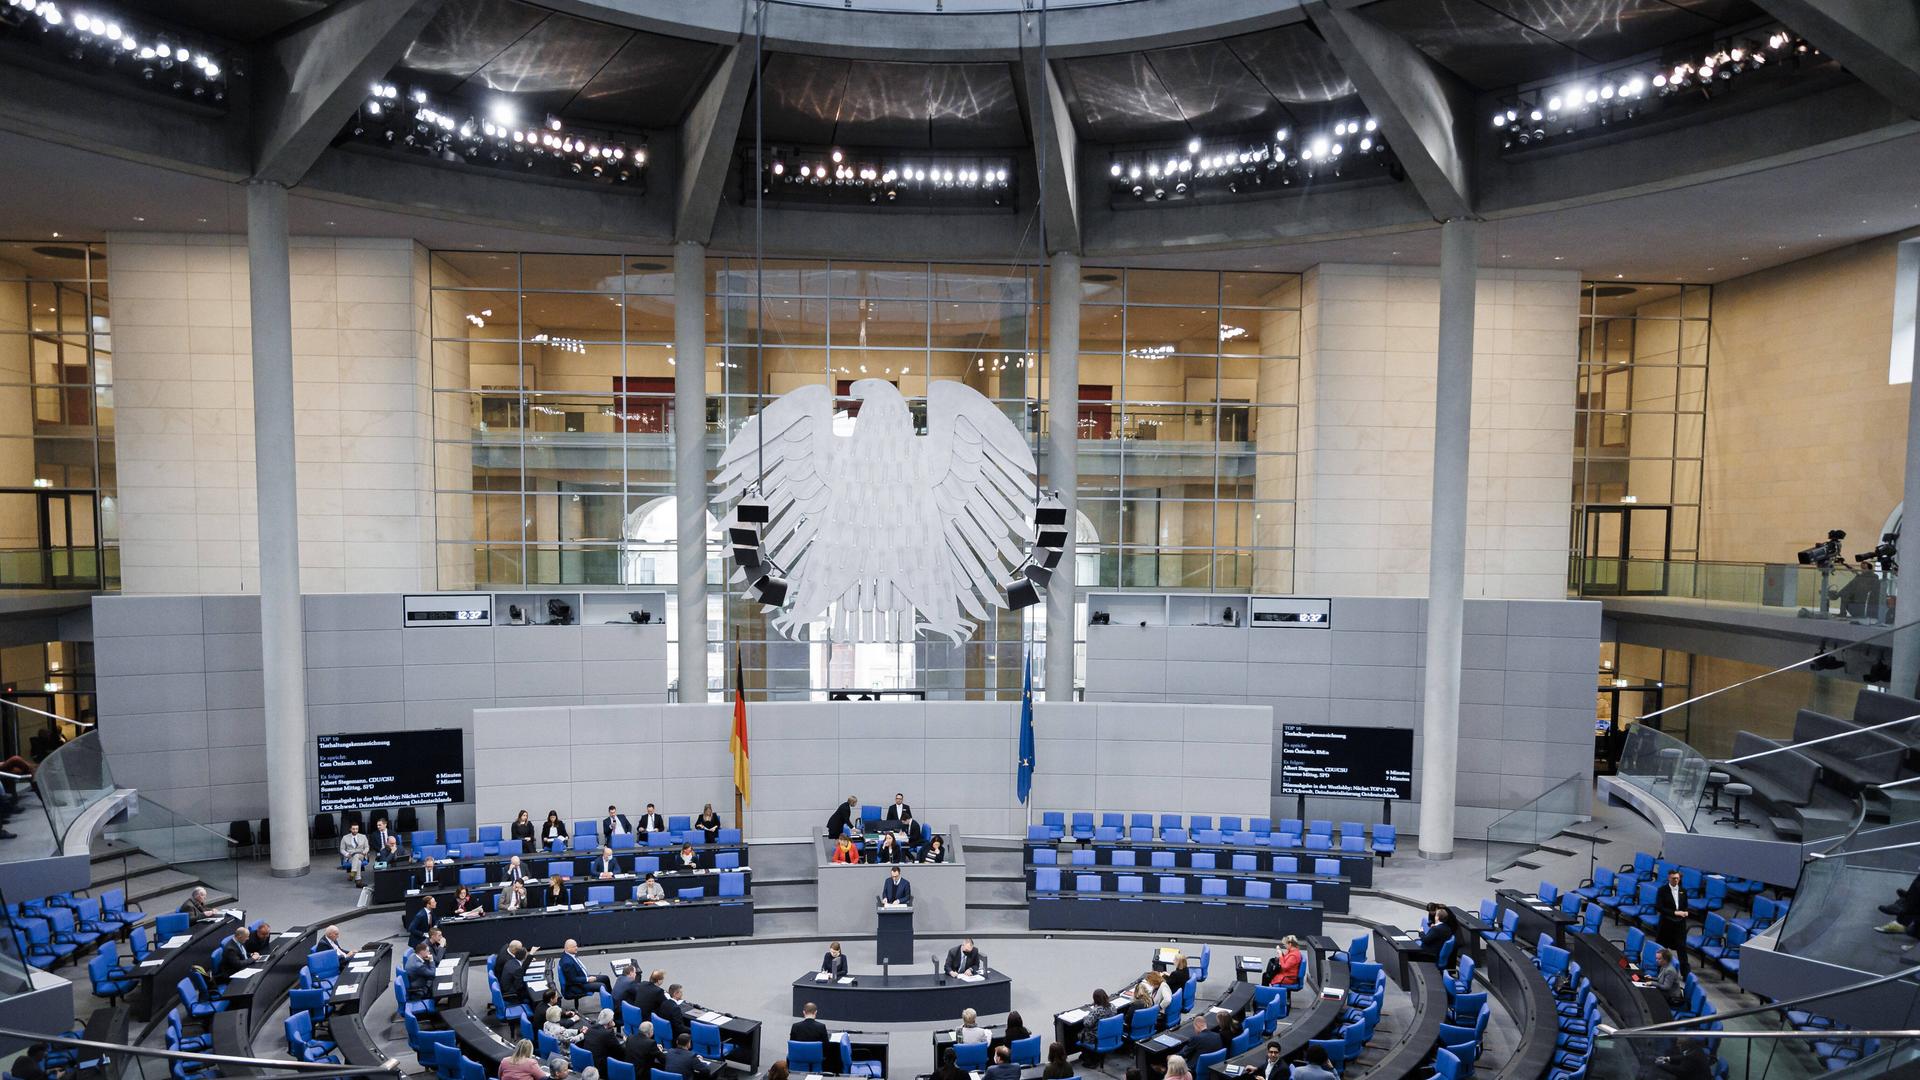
(1204,860)
(646,864)
(599,894)
(732,885)
(1046,857)
(1326,867)
(1320,827)
(1260,826)
(1125,857)
(1082,826)
(418,839)
(1055,823)
(1086,882)
(493,836)
(473,875)
(1212,887)
(1175,835)
(1243,861)
(971,1056)
(1046,879)
(1208,836)
(1141,834)
(1160,858)
(1129,883)
(726,860)
(1037,833)
(436,852)
(1286,864)
(729,836)
(692,894)
(1107,834)
(456,837)
(1169,821)
(1140,821)
(1318,842)
(473,850)
(1111,820)
(679,823)
(802,1057)
(1082,857)
(560,869)
(1026,1052)
(1173,886)
(1383,841)
(625,841)
(1259,890)
(1197,822)
(584,842)
(1229,823)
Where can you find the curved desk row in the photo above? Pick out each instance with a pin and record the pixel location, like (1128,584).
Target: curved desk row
(267,980)
(391,883)
(1331,893)
(903,999)
(605,924)
(366,975)
(1305,1022)
(1161,915)
(1356,868)
(476,1039)
(1629,1003)
(170,961)
(1410,1053)
(1511,976)
(575,888)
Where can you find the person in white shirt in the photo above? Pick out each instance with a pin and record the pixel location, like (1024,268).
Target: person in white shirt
(650,892)
(355,849)
(970,1029)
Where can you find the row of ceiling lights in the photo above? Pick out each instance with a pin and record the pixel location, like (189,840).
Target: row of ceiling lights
(411,121)
(1248,164)
(110,43)
(1625,93)
(827,175)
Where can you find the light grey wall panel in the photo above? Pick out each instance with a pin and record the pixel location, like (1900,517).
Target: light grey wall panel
(180,686)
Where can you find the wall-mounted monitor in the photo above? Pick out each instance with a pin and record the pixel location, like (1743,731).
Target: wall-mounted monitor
(449,609)
(1290,612)
(1346,762)
(364,770)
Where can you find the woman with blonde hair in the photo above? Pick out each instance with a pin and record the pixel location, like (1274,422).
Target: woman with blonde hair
(522,1065)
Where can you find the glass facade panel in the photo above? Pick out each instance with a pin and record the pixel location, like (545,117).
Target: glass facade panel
(57,493)
(554,411)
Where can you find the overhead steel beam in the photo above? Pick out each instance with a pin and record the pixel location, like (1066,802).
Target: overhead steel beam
(44,102)
(1424,111)
(707,139)
(1877,40)
(1056,145)
(310,78)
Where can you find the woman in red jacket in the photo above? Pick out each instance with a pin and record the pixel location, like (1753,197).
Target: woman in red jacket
(845,852)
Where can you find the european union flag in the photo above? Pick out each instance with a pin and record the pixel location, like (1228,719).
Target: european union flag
(1026,733)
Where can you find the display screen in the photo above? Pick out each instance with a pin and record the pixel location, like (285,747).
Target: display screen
(391,768)
(1346,762)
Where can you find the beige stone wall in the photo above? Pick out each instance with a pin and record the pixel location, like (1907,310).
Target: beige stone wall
(19,521)
(1803,432)
(1368,341)
(363,414)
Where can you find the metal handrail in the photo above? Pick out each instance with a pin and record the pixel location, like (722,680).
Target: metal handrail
(386,1068)
(1865,851)
(1767,675)
(1667,1027)
(1821,739)
(89,725)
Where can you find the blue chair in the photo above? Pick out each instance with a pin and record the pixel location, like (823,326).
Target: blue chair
(456,837)
(630,1017)
(1140,821)
(970,1056)
(1169,821)
(1107,834)
(1082,826)
(1175,835)
(1141,834)
(1298,891)
(1318,842)
(473,875)
(493,836)
(621,1070)
(726,860)
(1353,845)
(113,906)
(676,824)
(301,1044)
(1112,820)
(802,1057)
(580,1057)
(1173,886)
(1383,841)
(171,924)
(1142,1023)
(1026,1052)
(1107,1035)
(110,980)
(1037,834)
(622,842)
(732,886)
(1046,879)
(1129,883)
(311,1002)
(1088,883)
(1204,1067)
(418,839)
(1448,1066)
(707,1041)
(1259,890)
(1204,860)
(1160,859)
(1355,952)
(1125,857)
(1206,961)
(178,1039)
(584,844)
(1197,822)
(692,894)
(599,894)
(560,869)
(1243,861)
(1213,887)
(1208,836)
(1336,1052)
(473,849)
(1286,864)
(1046,857)
(1055,823)
(646,864)
(197,1007)
(436,852)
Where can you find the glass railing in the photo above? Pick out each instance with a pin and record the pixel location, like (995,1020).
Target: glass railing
(1511,836)
(1849,592)
(1811,738)
(51,568)
(72,779)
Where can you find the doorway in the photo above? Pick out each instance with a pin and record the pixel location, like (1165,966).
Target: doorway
(1626,550)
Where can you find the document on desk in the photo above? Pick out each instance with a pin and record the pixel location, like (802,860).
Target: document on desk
(446,966)
(1073,1016)
(346,990)
(971,978)
(822,976)
(177,941)
(847,980)
(360,967)
(244,973)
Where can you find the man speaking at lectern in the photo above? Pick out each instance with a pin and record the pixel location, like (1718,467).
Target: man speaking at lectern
(896,891)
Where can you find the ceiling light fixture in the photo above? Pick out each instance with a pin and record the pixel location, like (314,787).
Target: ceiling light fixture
(110,45)
(492,135)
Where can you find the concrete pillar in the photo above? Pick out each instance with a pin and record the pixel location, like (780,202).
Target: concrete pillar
(1447,546)
(690,461)
(283,653)
(1063,459)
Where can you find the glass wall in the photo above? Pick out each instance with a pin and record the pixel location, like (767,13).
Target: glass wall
(554,414)
(56,418)
(1639,431)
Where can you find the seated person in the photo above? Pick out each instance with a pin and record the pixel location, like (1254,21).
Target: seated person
(329,941)
(1667,977)
(514,871)
(260,939)
(1016,1028)
(431,873)
(1283,967)
(1688,1060)
(436,944)
(936,851)
(809,1029)
(418,969)
(1317,1067)
(949,1067)
(845,852)
(574,980)
(970,1030)
(553,829)
(846,816)
(890,851)
(1440,930)
(1154,986)
(465,906)
(522,830)
(898,810)
(557,894)
(513,897)
(556,1026)
(195,905)
(1178,974)
(233,955)
(1204,1039)
(650,892)
(964,959)
(605,866)
(651,822)
(687,860)
(1003,1067)
(682,1060)
(835,962)
(1101,1008)
(390,854)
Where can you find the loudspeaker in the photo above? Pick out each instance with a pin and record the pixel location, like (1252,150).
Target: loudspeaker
(1021,593)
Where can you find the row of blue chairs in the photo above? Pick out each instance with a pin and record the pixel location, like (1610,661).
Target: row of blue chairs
(1838,1049)
(1046,880)
(1309,835)
(51,929)
(642,865)
(1198,860)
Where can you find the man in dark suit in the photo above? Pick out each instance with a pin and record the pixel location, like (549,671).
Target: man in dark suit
(809,1029)
(895,890)
(602,1038)
(605,866)
(1687,1061)
(391,853)
(418,969)
(681,1059)
(512,974)
(195,905)
(381,834)
(651,822)
(898,810)
(233,955)
(574,980)
(964,959)
(834,962)
(641,1051)
(1204,1040)
(673,1010)
(648,997)
(431,873)
(1273,1068)
(423,920)
(614,824)
(626,988)
(843,815)
(1670,900)
(1003,1067)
